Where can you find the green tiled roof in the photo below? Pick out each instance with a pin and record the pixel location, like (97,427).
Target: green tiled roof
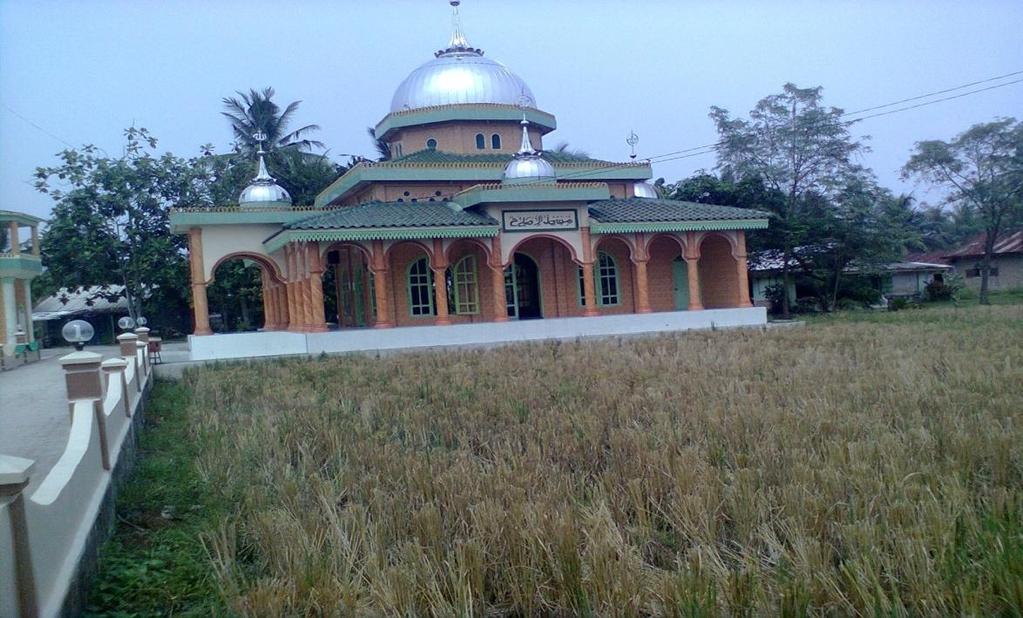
(645,209)
(439,156)
(392,214)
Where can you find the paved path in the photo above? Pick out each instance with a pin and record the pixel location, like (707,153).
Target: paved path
(34,419)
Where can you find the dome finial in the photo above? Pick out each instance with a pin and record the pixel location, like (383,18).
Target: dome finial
(458,40)
(527,146)
(261,173)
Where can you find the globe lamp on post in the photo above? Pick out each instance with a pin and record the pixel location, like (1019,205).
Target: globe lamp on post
(77,332)
(126,323)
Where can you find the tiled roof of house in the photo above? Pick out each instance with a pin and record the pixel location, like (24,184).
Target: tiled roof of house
(392,214)
(1008,242)
(645,209)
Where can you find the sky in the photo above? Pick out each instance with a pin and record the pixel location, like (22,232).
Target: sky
(81,72)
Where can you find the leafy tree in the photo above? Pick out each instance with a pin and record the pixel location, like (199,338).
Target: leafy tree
(256,112)
(982,168)
(236,295)
(795,146)
(110,224)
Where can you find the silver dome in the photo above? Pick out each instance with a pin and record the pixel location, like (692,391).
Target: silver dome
(263,191)
(527,165)
(460,76)
(644,189)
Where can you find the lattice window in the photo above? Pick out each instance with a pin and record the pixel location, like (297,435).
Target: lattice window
(464,287)
(420,288)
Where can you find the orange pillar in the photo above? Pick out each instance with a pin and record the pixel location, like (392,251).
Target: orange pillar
(268,303)
(589,293)
(295,322)
(741,270)
(692,257)
(497,274)
(317,320)
(200,308)
(382,286)
(642,288)
(439,265)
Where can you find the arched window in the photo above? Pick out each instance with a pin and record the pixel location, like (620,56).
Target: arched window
(420,288)
(481,142)
(431,144)
(495,141)
(605,281)
(463,288)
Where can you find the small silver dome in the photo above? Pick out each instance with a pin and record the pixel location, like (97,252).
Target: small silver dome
(527,165)
(263,191)
(644,189)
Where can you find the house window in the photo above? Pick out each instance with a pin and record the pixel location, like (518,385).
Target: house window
(495,141)
(463,287)
(976,272)
(481,142)
(606,281)
(420,288)
(431,144)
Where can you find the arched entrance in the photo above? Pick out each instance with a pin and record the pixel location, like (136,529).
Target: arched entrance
(246,294)
(719,279)
(522,288)
(349,287)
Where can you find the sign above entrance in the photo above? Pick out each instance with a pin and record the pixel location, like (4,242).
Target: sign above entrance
(534,220)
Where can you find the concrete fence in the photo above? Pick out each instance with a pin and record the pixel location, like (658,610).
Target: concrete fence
(49,536)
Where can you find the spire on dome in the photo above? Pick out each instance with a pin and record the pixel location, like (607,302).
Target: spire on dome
(458,39)
(458,42)
(527,146)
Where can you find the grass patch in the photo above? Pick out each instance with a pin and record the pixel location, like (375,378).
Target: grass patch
(851,467)
(154,564)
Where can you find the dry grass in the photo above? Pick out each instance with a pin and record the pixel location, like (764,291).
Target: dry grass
(853,468)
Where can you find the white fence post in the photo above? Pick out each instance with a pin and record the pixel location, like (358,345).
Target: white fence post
(129,350)
(85,382)
(114,368)
(14,477)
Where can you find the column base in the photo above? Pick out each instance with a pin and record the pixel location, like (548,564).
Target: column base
(203,333)
(383,325)
(501,318)
(591,313)
(442,322)
(317,329)
(695,308)
(645,310)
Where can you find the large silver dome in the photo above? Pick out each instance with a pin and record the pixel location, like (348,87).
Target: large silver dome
(460,75)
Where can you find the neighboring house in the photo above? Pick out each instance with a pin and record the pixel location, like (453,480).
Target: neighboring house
(906,278)
(53,312)
(911,277)
(1006,263)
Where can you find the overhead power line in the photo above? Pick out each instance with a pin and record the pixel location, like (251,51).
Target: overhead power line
(698,151)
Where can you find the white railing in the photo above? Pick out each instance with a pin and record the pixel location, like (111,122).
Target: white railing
(44,533)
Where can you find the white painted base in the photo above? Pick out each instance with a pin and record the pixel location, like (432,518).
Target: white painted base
(275,343)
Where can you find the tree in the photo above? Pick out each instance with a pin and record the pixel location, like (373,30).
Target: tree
(110,223)
(795,146)
(380,145)
(256,112)
(982,168)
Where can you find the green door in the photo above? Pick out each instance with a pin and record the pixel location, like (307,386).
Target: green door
(680,283)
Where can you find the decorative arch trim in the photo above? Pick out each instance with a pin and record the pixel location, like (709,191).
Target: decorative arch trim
(267,263)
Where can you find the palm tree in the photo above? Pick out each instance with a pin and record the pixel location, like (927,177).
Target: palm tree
(382,147)
(256,111)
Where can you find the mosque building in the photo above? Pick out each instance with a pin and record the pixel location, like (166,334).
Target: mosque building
(471,220)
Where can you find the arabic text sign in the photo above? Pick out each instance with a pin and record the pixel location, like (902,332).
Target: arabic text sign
(533,220)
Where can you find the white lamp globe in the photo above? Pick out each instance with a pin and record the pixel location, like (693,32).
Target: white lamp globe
(77,332)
